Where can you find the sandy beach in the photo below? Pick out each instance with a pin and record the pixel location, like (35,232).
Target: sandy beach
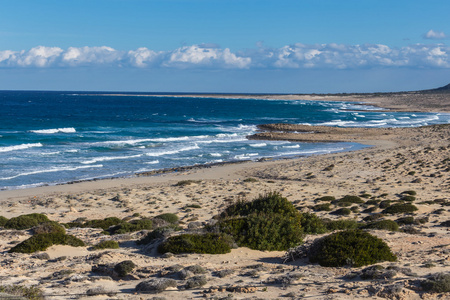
(398,160)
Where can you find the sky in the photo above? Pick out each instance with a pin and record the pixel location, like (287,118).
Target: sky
(224,46)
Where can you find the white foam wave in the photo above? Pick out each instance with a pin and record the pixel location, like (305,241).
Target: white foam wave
(55,130)
(169,152)
(258,145)
(19,147)
(293,146)
(52,170)
(153,162)
(51,153)
(108,158)
(215,154)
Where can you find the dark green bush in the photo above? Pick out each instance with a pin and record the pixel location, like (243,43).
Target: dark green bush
(26,221)
(341,224)
(352,247)
(322,207)
(158,233)
(412,193)
(326,198)
(408,198)
(97,223)
(21,292)
(342,212)
(132,226)
(372,202)
(124,268)
(370,210)
(351,199)
(400,208)
(385,203)
(41,242)
(186,182)
(3,221)
(437,283)
(312,224)
(373,217)
(107,245)
(343,204)
(168,217)
(405,221)
(382,225)
(250,180)
(446,223)
(210,243)
(49,227)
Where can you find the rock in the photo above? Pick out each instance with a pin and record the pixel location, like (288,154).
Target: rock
(241,289)
(99,290)
(156,285)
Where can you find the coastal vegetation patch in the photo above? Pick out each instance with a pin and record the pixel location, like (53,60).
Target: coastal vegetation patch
(210,243)
(40,242)
(26,221)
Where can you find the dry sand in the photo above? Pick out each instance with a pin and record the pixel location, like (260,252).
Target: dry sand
(401,159)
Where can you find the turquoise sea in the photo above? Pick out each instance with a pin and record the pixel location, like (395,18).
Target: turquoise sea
(58,137)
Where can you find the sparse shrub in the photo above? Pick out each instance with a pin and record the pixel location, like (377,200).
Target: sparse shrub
(372,202)
(225,273)
(410,230)
(341,224)
(408,198)
(382,225)
(49,227)
(156,285)
(21,292)
(26,221)
(412,193)
(354,209)
(377,272)
(312,224)
(196,269)
(385,203)
(171,218)
(342,212)
(158,233)
(446,223)
(250,180)
(351,247)
(343,204)
(3,221)
(124,268)
(370,210)
(405,221)
(196,282)
(210,243)
(41,242)
(372,218)
(365,195)
(110,244)
(186,182)
(192,206)
(326,198)
(132,226)
(437,283)
(351,199)
(97,223)
(400,208)
(322,207)
(329,168)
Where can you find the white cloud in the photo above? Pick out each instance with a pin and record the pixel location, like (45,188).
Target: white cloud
(211,56)
(435,35)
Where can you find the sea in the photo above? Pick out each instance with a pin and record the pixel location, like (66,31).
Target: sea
(50,138)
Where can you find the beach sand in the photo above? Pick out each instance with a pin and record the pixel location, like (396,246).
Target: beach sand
(401,159)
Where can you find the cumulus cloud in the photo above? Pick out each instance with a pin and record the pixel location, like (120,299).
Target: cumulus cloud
(212,56)
(435,35)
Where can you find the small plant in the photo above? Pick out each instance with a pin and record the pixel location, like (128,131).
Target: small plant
(97,223)
(168,217)
(385,203)
(26,221)
(196,282)
(372,202)
(408,198)
(340,224)
(342,212)
(158,233)
(312,224)
(250,180)
(3,221)
(124,268)
(210,243)
(382,225)
(186,182)
(107,245)
(192,206)
(132,226)
(326,198)
(49,227)
(329,168)
(446,223)
(411,193)
(40,242)
(373,217)
(351,199)
(322,207)
(400,208)
(437,283)
(351,247)
(405,221)
(20,291)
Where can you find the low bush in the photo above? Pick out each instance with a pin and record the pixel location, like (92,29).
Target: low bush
(322,207)
(156,285)
(342,212)
(49,227)
(124,268)
(107,245)
(370,210)
(373,202)
(437,283)
(400,208)
(21,292)
(26,221)
(168,217)
(326,198)
(382,225)
(132,226)
(373,217)
(351,199)
(210,243)
(405,221)
(412,193)
(3,221)
(196,282)
(340,224)
(186,182)
(408,198)
(97,223)
(250,180)
(312,224)
(351,247)
(41,242)
(158,233)
(385,203)
(343,204)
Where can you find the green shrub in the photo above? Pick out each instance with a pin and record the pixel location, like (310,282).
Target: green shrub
(158,233)
(385,203)
(354,209)
(168,217)
(343,204)
(351,199)
(107,245)
(186,182)
(49,227)
(250,180)
(408,198)
(132,226)
(322,207)
(22,292)
(412,193)
(196,282)
(437,283)
(372,202)
(271,203)
(264,231)
(341,224)
(400,208)
(3,221)
(41,242)
(373,217)
(382,225)
(312,224)
(405,221)
(326,198)
(26,221)
(370,210)
(342,212)
(352,247)
(97,223)
(210,243)
(124,268)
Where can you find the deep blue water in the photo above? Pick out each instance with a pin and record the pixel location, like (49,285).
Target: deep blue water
(57,137)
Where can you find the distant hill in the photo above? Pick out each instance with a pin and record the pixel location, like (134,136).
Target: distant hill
(442,88)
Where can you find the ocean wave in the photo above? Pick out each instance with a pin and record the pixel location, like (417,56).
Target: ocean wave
(108,158)
(51,171)
(20,147)
(292,147)
(55,130)
(169,152)
(153,162)
(258,145)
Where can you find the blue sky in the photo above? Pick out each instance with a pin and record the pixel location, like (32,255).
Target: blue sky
(284,46)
